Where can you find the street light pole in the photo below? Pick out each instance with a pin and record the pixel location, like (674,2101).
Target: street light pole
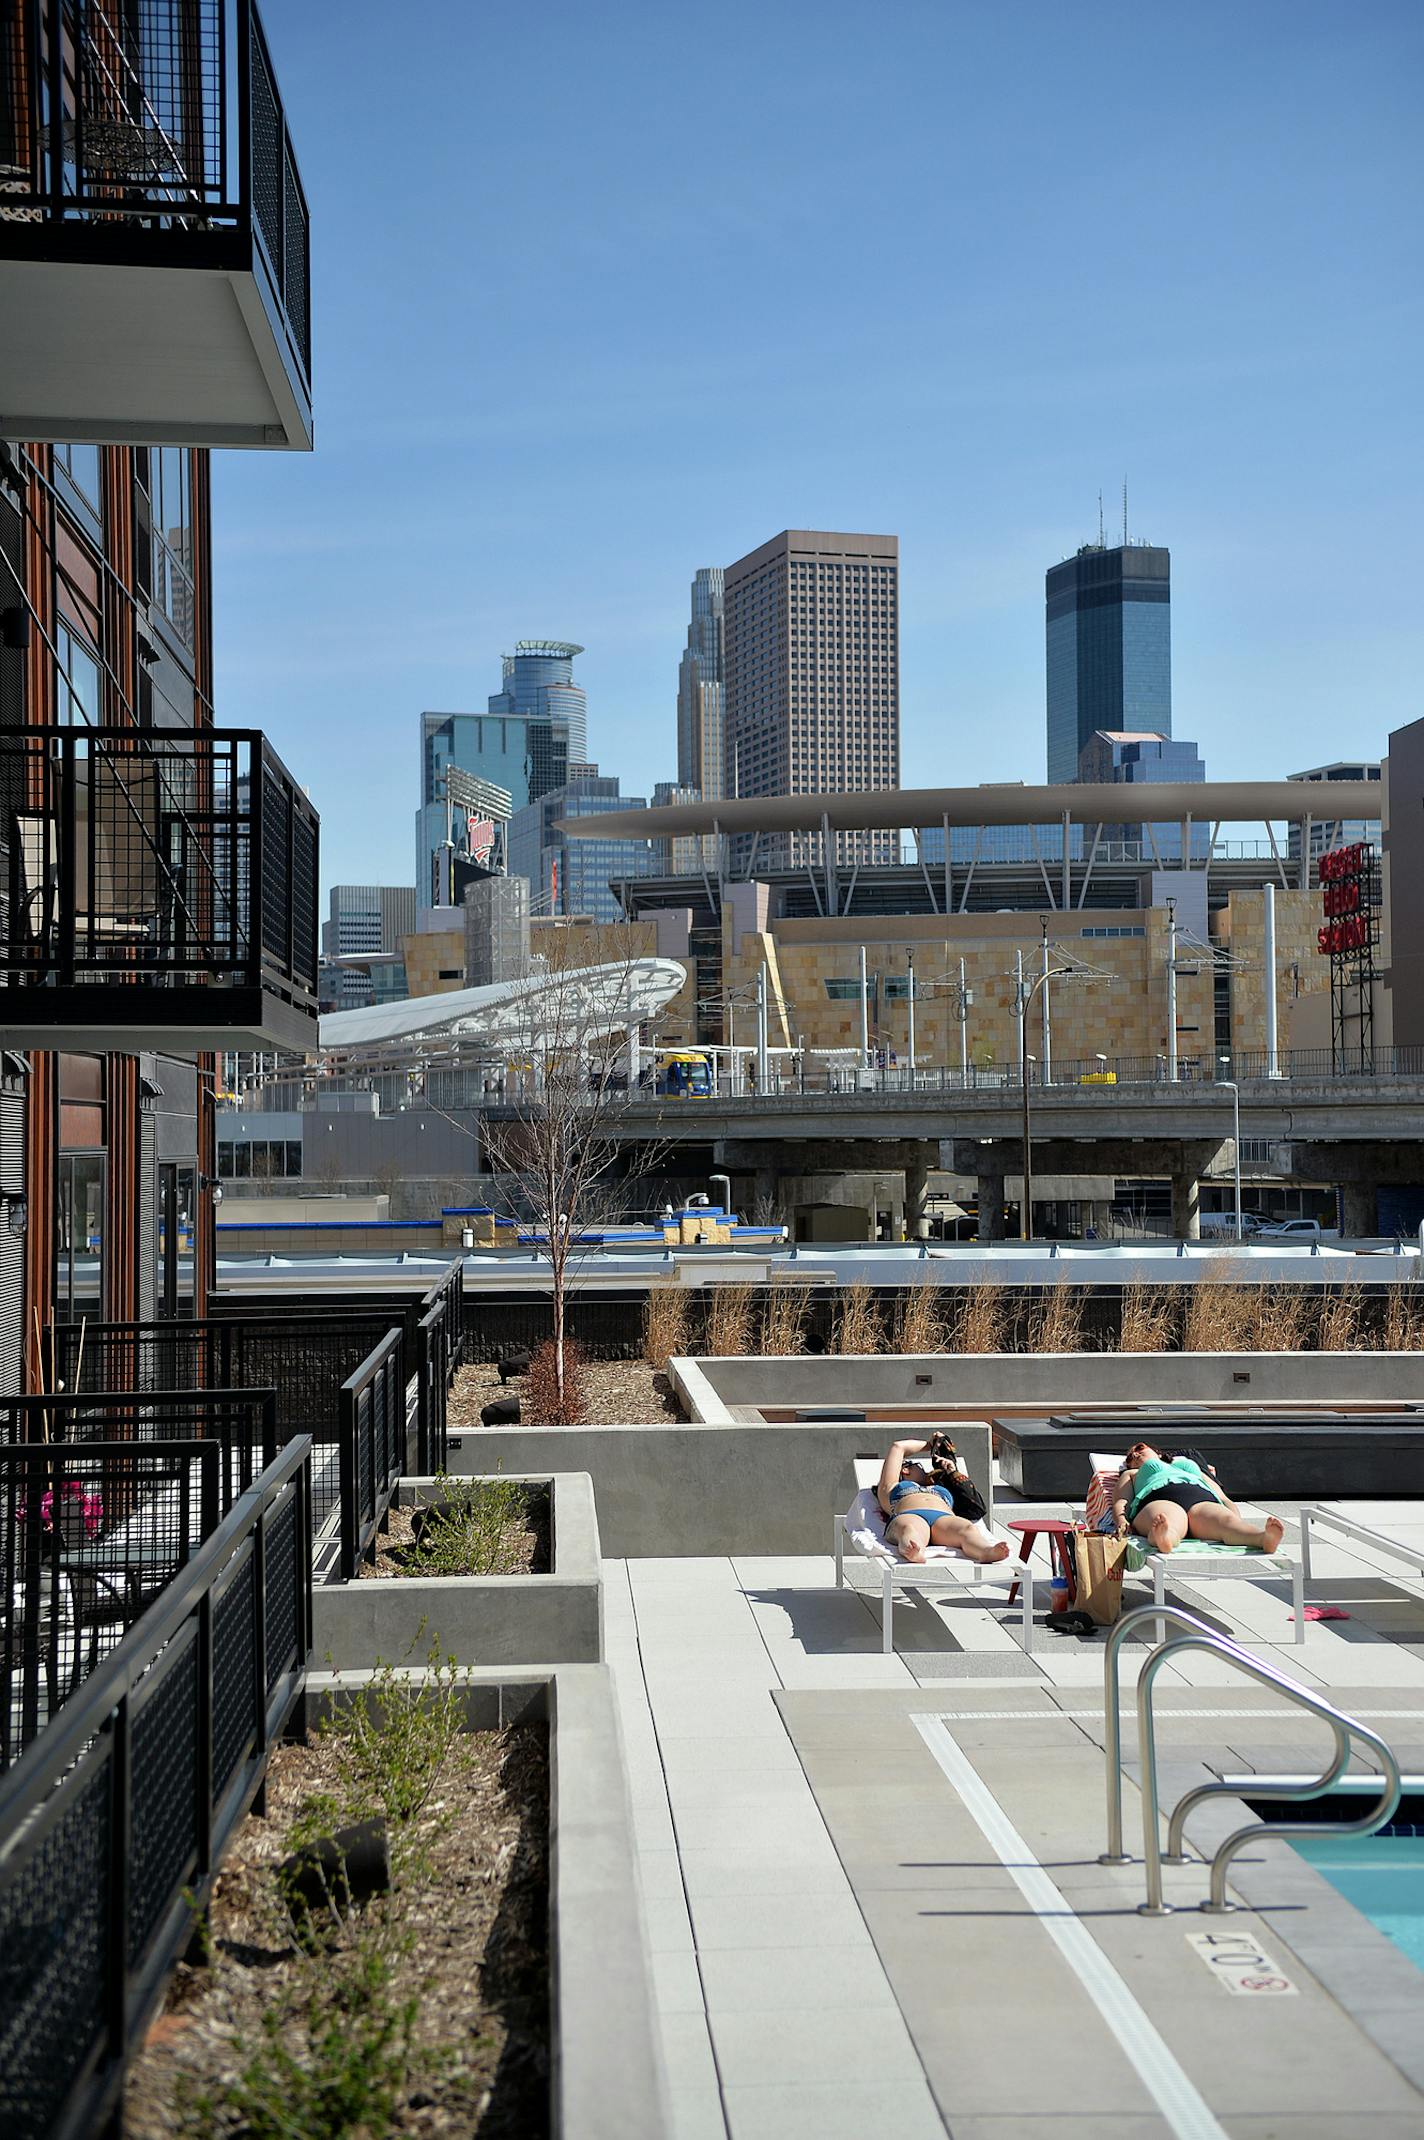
(1229,1085)
(1047,1016)
(964,1002)
(910,1050)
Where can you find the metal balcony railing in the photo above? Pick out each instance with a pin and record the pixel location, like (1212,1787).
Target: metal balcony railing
(153,134)
(178,865)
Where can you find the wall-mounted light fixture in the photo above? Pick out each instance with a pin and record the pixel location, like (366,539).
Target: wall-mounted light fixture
(16,1207)
(212,1185)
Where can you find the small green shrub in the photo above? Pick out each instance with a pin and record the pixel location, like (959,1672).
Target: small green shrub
(475,1531)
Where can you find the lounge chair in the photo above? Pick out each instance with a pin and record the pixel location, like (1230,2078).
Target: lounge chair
(862,1530)
(1328,1519)
(1194,1560)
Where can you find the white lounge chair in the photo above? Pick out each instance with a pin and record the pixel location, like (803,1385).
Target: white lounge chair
(1195,1560)
(861,1530)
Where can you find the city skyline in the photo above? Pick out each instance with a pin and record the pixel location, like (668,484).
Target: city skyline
(1239,338)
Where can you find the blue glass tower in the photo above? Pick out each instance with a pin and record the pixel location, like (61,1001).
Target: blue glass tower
(1109,645)
(539,688)
(568,876)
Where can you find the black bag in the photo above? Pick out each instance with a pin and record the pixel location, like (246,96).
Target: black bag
(967,1499)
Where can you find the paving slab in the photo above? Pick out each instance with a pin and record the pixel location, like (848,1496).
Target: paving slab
(845,2110)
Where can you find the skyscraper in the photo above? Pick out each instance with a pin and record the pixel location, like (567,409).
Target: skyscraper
(576,876)
(539,688)
(1109,637)
(493,748)
(700,690)
(812,667)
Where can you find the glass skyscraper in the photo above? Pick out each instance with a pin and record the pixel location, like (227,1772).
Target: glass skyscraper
(539,688)
(575,876)
(493,747)
(699,690)
(1109,644)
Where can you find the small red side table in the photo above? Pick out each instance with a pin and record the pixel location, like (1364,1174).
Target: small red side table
(1054,1529)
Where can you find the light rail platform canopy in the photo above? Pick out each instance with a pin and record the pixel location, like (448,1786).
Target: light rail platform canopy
(555,1010)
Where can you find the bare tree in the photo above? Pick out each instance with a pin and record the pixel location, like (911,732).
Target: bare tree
(554,1141)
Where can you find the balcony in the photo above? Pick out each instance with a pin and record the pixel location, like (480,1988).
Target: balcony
(154,246)
(175,870)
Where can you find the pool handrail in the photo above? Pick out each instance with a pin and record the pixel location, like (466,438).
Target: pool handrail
(1199,1635)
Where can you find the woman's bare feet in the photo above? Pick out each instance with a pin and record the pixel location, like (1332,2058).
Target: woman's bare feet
(1272,1532)
(1159,1530)
(991,1550)
(911,1549)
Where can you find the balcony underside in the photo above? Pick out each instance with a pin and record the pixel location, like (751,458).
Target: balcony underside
(112,344)
(134,1019)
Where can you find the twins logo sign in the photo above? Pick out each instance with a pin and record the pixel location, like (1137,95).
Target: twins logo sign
(479,837)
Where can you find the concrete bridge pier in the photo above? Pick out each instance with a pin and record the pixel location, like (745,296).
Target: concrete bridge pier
(1186,1206)
(1359,1208)
(918,1163)
(991,1201)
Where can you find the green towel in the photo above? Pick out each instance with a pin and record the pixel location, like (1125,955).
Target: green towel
(1139,1552)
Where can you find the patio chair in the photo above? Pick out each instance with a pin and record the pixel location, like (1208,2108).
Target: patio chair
(1195,1560)
(861,1530)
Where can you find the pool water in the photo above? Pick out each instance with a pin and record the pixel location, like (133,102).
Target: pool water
(1383,1876)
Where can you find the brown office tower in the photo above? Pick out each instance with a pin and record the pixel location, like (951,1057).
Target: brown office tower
(812,624)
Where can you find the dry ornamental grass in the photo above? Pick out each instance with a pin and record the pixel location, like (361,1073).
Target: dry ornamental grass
(1221,1317)
(729,1321)
(1285,1319)
(1149,1319)
(858,1328)
(666,1329)
(783,1319)
(1344,1325)
(1058,1324)
(920,1321)
(981,1320)
(1404,1317)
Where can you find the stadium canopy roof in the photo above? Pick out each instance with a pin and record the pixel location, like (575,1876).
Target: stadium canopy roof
(1225,802)
(584,1001)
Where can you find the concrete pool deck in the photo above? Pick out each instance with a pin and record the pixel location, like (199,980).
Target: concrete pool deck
(872,1889)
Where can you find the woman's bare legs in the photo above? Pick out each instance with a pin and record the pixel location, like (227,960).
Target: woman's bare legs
(909,1534)
(1163,1523)
(972,1539)
(1228,1527)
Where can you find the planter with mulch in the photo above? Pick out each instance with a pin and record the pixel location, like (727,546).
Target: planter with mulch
(544,1607)
(501,1986)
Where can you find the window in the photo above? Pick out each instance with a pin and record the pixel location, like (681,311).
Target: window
(173,537)
(76,478)
(76,683)
(79,1236)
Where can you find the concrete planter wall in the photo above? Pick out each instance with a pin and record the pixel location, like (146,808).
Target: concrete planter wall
(607,2080)
(686,1489)
(477,1619)
(727,1389)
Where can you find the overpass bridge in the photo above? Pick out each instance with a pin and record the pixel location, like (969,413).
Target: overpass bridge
(1357,1131)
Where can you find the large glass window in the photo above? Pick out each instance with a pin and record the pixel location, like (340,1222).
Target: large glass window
(77,698)
(79,1236)
(172,500)
(76,478)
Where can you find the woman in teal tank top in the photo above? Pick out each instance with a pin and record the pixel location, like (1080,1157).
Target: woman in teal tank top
(1169,1498)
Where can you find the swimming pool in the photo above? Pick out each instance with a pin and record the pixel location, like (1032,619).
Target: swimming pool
(1383,1876)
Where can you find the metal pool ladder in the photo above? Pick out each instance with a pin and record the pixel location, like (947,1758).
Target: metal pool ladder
(1199,1635)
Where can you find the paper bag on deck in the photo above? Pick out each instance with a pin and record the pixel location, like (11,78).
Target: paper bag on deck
(1100,1563)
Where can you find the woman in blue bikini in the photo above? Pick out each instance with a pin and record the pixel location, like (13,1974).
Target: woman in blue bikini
(919,1504)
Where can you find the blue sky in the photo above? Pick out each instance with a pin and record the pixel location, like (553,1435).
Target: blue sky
(605,294)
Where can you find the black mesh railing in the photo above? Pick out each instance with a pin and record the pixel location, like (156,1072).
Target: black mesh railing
(170,119)
(303,1360)
(242,1423)
(90,1533)
(116,1817)
(159,859)
(372,1448)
